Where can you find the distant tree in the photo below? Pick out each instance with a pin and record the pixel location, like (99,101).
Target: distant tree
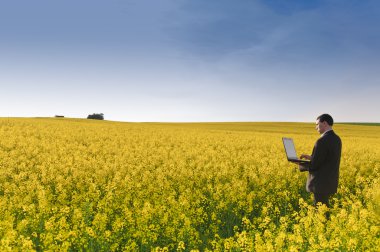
(96,116)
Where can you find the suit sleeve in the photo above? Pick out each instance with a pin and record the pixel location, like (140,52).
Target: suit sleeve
(319,155)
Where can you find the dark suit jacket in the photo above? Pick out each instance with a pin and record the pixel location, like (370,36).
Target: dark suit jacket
(324,166)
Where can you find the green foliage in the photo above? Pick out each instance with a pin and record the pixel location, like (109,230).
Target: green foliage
(96,116)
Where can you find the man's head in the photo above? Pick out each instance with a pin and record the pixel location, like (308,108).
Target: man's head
(324,123)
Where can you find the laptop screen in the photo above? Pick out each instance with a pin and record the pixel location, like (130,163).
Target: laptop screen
(289,148)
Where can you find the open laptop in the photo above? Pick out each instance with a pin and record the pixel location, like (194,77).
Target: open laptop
(291,151)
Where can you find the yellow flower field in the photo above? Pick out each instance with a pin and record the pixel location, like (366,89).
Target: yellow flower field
(87,185)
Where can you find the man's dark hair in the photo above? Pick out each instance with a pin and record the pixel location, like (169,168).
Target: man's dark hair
(326,118)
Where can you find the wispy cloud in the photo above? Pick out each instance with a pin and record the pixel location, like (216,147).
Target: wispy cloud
(211,60)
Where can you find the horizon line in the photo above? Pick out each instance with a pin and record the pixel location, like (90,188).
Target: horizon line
(82,118)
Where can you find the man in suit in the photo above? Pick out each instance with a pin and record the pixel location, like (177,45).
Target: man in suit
(323,169)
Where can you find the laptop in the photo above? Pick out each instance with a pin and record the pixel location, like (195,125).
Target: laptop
(291,152)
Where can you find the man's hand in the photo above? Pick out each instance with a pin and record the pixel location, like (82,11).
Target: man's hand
(304,156)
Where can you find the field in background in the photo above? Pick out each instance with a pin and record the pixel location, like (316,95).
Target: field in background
(73,185)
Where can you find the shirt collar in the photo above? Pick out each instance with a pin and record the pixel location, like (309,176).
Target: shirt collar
(324,133)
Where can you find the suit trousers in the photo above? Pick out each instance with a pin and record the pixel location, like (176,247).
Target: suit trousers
(321,197)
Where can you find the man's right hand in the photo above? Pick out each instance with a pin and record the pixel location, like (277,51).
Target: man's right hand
(304,156)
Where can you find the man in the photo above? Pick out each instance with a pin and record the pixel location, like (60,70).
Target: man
(323,169)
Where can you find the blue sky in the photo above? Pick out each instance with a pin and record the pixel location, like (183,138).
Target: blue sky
(191,60)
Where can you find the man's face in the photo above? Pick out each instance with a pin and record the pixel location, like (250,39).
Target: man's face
(320,126)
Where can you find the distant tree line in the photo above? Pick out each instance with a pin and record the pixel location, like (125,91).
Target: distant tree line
(96,116)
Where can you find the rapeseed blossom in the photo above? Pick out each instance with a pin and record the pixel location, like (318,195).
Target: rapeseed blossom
(83,185)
